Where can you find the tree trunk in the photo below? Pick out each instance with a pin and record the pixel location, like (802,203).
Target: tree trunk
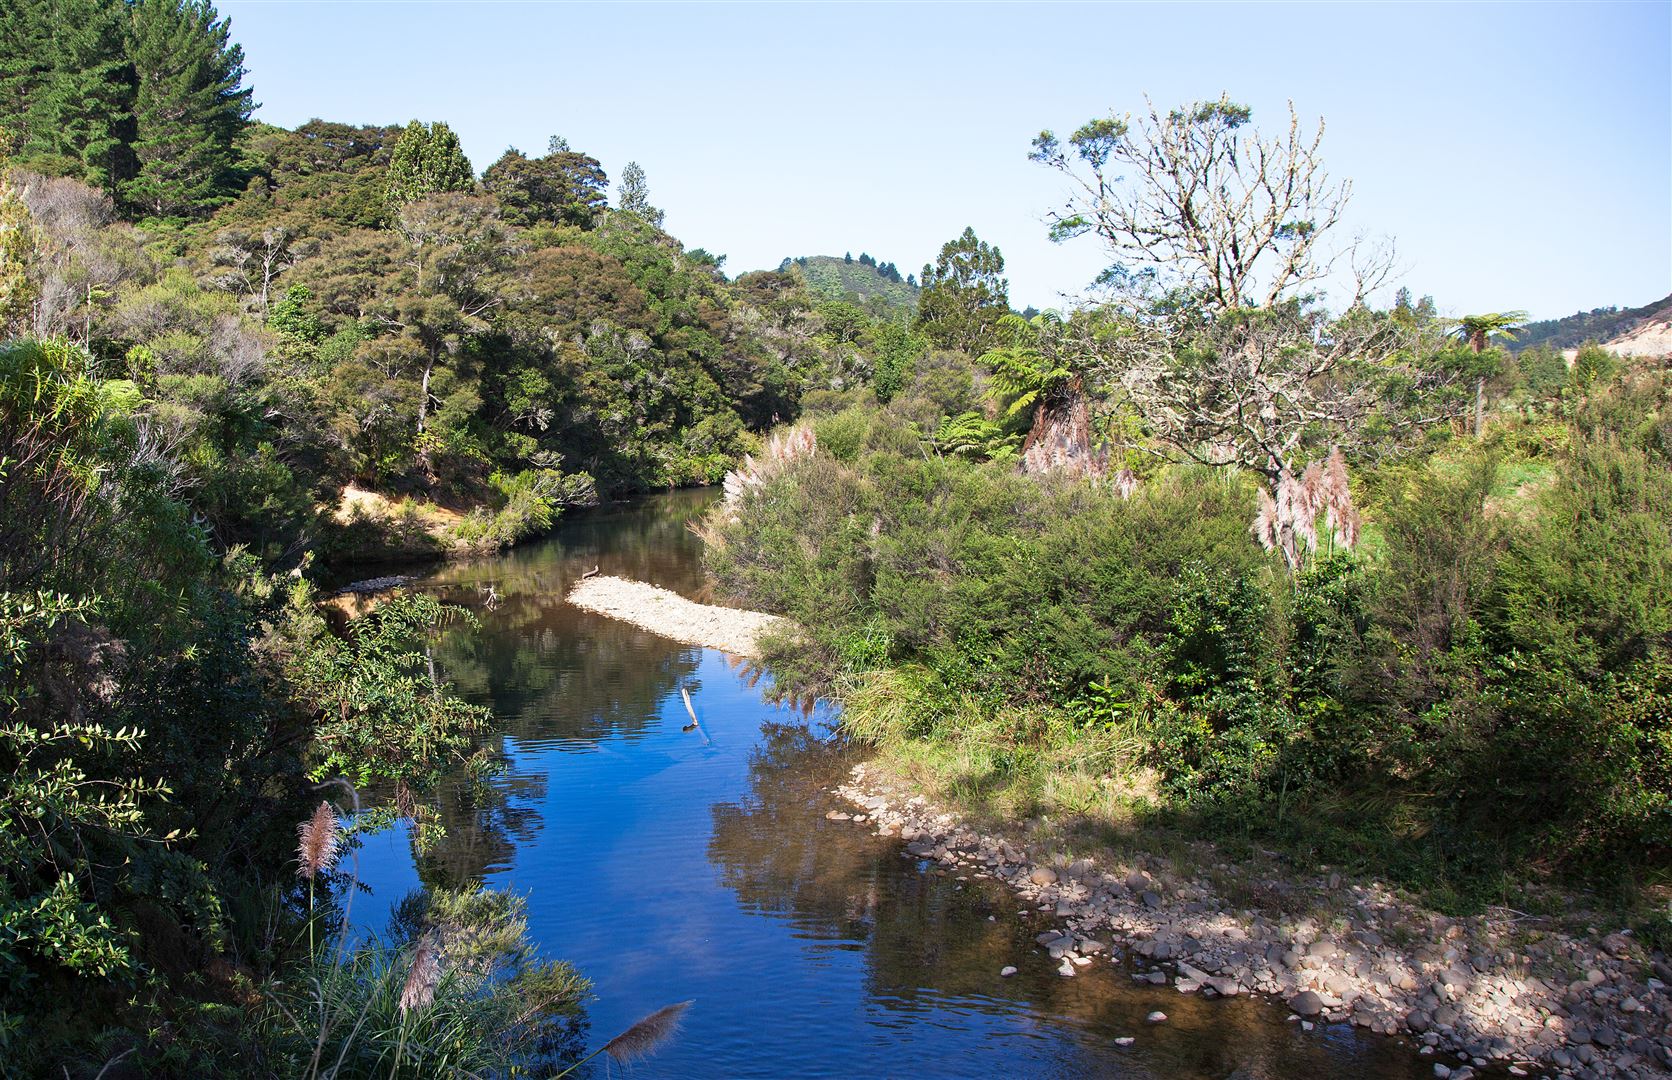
(1480,405)
(1061,436)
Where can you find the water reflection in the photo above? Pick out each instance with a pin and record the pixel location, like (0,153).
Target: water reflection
(555,676)
(933,945)
(668,865)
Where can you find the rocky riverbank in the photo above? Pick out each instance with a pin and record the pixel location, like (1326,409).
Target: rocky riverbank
(1500,990)
(662,612)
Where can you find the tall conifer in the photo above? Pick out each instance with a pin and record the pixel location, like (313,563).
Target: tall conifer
(189,106)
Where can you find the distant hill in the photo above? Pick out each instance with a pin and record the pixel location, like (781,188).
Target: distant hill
(1650,335)
(863,281)
(1598,324)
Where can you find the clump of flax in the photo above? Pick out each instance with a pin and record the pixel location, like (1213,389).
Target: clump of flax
(647,1036)
(319,842)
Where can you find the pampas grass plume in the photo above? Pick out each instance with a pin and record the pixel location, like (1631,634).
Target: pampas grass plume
(421,977)
(645,1037)
(319,842)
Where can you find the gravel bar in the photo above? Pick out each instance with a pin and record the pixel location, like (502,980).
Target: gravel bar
(662,612)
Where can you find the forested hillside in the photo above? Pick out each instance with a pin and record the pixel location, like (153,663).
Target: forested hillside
(233,356)
(348,340)
(1595,326)
(876,287)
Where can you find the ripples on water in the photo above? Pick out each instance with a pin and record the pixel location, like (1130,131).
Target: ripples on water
(669,865)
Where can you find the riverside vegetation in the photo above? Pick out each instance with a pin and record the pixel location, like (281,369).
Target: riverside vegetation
(235,356)
(1205,559)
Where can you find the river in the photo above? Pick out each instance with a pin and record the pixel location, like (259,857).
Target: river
(670,864)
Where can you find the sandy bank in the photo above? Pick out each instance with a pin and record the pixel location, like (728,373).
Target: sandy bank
(671,615)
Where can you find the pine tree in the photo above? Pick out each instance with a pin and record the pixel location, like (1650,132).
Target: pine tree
(189,106)
(634,194)
(67,88)
(427,160)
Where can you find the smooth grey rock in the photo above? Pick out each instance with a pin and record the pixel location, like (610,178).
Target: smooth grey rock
(1307,1003)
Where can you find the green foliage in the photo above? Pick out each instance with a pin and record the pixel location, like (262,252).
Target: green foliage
(383,714)
(426,160)
(830,278)
(69,88)
(1482,686)
(634,194)
(1026,370)
(963,295)
(17,249)
(563,188)
(190,105)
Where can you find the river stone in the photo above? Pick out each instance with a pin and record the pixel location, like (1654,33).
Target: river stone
(1125,1040)
(1006,971)
(1152,900)
(1307,1003)
(1323,948)
(1043,875)
(1157,1017)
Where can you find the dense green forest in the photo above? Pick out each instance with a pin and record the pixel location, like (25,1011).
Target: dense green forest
(234,357)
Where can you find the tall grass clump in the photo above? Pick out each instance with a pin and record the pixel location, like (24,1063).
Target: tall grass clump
(454,989)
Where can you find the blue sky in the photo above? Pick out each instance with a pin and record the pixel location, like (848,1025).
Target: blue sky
(1519,154)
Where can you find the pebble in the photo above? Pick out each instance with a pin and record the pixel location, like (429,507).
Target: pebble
(1307,1003)
(1006,971)
(1125,1040)
(1157,1017)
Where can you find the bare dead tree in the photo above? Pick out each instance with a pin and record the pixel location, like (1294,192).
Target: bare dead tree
(1269,389)
(1198,196)
(248,261)
(1216,341)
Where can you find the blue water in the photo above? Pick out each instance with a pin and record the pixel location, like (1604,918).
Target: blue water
(670,865)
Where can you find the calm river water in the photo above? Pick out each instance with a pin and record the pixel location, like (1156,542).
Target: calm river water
(667,865)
